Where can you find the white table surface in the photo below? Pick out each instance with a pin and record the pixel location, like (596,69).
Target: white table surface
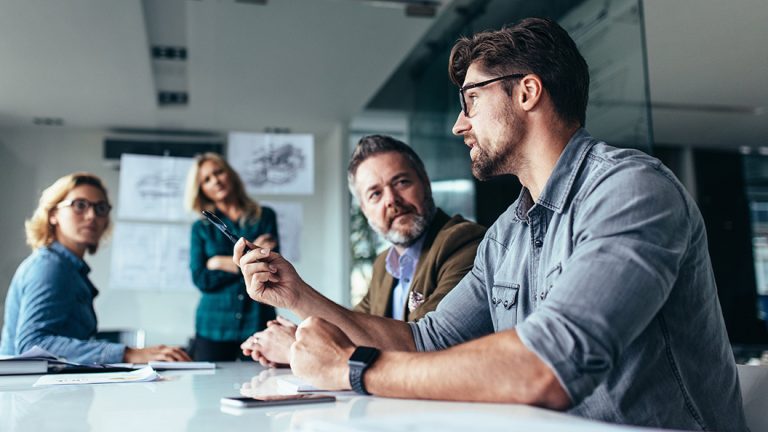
(189,401)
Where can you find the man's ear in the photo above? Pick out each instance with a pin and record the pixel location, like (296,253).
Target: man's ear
(52,219)
(531,91)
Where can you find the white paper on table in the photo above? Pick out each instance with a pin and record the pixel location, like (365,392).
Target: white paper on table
(144,374)
(292,384)
(36,352)
(161,365)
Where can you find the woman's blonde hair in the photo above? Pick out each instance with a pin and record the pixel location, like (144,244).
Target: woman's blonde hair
(38,228)
(196,201)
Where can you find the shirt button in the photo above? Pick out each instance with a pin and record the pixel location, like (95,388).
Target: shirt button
(406,280)
(239,315)
(538,243)
(493,300)
(543,295)
(240,297)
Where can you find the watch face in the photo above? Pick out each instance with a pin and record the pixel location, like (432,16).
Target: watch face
(363,355)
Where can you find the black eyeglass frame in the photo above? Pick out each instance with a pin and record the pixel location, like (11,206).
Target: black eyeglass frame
(482,84)
(94,205)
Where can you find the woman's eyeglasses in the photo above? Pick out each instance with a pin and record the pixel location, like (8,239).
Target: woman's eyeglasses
(80,206)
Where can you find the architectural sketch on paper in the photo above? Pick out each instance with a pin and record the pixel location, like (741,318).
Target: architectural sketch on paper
(277,165)
(273,164)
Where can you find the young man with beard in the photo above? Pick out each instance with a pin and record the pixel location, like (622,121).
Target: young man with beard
(592,293)
(430,253)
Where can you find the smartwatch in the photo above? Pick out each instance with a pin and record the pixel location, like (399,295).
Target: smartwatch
(361,359)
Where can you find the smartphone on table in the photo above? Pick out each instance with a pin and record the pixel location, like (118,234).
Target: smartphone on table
(274,400)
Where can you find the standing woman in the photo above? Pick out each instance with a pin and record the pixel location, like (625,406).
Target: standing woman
(50,301)
(226,315)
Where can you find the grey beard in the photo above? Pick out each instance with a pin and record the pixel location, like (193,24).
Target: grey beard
(419,226)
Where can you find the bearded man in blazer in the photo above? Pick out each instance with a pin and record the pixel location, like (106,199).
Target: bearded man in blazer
(430,251)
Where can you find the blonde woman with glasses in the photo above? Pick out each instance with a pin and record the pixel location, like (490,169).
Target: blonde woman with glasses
(50,300)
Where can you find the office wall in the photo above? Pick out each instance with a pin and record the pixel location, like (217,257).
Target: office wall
(32,158)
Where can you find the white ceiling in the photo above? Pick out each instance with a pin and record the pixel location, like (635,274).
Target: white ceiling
(708,71)
(308,65)
(300,64)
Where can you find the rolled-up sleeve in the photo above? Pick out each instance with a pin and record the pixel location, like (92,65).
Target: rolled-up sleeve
(630,232)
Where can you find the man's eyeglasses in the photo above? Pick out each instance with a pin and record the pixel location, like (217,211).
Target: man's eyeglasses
(80,206)
(467,107)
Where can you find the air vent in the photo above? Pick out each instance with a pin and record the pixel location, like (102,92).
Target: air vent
(48,121)
(421,10)
(178,143)
(168,98)
(167,35)
(160,52)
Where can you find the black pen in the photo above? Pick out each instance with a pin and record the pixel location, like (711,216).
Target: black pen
(223,228)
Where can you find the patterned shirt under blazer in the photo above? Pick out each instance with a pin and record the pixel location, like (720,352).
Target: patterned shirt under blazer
(446,256)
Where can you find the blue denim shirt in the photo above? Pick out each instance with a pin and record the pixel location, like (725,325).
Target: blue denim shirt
(607,278)
(50,304)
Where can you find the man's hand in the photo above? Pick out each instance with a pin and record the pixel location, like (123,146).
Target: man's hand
(272,347)
(155,353)
(265,241)
(320,354)
(269,278)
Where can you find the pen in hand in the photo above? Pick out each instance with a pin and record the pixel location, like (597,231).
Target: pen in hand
(218,223)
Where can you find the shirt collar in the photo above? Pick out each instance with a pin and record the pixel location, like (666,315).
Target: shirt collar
(70,257)
(393,258)
(558,187)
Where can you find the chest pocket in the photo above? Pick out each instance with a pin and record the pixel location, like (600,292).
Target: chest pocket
(549,281)
(504,301)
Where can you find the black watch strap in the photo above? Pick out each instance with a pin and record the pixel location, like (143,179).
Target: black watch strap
(356,380)
(361,359)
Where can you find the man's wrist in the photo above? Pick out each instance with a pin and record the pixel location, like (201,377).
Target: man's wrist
(360,360)
(307,302)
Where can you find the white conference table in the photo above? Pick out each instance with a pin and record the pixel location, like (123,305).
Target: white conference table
(189,401)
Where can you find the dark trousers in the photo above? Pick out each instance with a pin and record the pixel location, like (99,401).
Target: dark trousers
(204,349)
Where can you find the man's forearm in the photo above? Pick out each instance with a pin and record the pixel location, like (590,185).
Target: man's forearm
(495,368)
(362,329)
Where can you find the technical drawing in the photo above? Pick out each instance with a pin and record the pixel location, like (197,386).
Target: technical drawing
(159,185)
(279,165)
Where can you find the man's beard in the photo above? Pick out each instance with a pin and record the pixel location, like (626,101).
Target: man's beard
(407,237)
(486,165)
(500,160)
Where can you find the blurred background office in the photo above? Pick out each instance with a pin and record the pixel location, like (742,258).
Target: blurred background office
(83,82)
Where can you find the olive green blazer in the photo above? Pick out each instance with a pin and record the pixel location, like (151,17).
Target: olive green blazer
(446,256)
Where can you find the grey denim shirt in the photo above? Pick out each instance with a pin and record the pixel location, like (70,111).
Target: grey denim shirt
(607,278)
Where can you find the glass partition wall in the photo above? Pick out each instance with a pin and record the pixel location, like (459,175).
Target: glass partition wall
(419,104)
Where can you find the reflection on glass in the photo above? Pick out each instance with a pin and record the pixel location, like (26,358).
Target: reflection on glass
(609,34)
(756,178)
